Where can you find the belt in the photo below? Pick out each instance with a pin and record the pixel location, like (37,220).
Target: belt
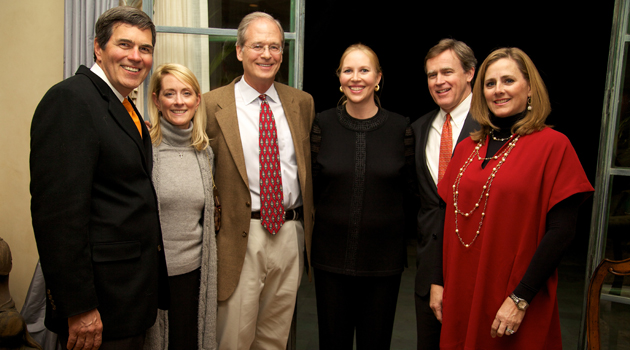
(291,214)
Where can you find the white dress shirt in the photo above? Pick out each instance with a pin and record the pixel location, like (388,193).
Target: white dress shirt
(96,69)
(458,117)
(248,113)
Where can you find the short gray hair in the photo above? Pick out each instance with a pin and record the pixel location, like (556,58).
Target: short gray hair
(247,20)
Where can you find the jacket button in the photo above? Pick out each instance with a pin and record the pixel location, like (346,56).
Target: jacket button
(159,247)
(244,234)
(248,204)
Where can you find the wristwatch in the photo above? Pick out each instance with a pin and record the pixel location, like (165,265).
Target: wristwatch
(520,302)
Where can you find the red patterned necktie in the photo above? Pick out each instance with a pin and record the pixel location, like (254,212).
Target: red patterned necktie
(271,196)
(446,147)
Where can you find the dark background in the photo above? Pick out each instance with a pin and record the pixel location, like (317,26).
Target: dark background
(568,42)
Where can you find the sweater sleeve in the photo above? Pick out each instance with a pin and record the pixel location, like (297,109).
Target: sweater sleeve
(560,230)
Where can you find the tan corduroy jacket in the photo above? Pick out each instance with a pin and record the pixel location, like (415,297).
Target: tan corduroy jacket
(231,176)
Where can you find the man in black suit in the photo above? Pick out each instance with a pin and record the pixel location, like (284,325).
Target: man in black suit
(93,205)
(450,68)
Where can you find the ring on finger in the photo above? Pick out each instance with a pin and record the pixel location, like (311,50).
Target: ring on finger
(509,331)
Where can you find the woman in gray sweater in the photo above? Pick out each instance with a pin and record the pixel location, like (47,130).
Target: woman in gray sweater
(182,176)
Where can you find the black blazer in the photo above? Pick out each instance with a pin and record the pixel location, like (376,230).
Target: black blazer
(94,209)
(431,214)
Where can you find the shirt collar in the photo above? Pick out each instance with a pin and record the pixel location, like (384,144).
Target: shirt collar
(96,69)
(250,94)
(458,115)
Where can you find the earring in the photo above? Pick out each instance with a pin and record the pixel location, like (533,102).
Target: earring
(529,103)
(341,88)
(377,88)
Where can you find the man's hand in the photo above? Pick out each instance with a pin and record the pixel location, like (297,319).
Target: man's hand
(85,331)
(435,301)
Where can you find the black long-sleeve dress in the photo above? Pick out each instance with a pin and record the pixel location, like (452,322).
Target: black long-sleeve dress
(360,177)
(362,171)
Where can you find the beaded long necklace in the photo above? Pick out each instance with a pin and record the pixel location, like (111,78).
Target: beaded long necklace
(485,190)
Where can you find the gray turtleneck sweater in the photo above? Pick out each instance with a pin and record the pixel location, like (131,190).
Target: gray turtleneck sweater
(183,181)
(181,194)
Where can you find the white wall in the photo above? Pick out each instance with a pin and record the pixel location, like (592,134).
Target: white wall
(32,61)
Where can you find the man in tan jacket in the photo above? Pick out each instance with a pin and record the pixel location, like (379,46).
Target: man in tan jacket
(260,264)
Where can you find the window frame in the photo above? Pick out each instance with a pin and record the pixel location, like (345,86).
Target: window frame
(618,58)
(294,39)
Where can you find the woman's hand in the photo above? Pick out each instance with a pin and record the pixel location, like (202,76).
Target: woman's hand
(435,301)
(507,320)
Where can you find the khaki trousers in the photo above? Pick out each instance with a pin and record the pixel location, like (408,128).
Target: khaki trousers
(258,314)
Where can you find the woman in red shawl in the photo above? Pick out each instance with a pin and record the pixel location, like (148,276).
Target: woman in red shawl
(512,191)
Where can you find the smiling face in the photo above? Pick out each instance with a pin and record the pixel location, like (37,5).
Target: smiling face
(505,88)
(448,84)
(358,77)
(127,57)
(260,68)
(177,101)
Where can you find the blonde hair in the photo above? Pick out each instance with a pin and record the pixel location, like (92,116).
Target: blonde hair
(198,138)
(370,54)
(534,120)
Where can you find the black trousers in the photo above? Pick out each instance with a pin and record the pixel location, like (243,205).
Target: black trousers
(182,314)
(365,304)
(428,326)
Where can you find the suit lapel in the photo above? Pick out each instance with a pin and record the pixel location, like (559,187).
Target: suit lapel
(121,116)
(146,141)
(228,122)
(470,125)
(291,111)
(425,137)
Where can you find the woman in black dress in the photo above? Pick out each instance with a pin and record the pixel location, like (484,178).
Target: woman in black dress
(362,160)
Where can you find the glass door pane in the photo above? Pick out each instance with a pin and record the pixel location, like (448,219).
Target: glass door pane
(622,141)
(612,201)
(227,14)
(201,34)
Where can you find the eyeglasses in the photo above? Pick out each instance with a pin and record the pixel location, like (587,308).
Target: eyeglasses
(258,48)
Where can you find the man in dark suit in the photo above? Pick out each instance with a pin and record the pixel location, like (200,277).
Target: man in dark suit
(450,68)
(260,265)
(93,205)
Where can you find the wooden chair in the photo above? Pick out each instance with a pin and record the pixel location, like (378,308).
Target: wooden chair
(619,268)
